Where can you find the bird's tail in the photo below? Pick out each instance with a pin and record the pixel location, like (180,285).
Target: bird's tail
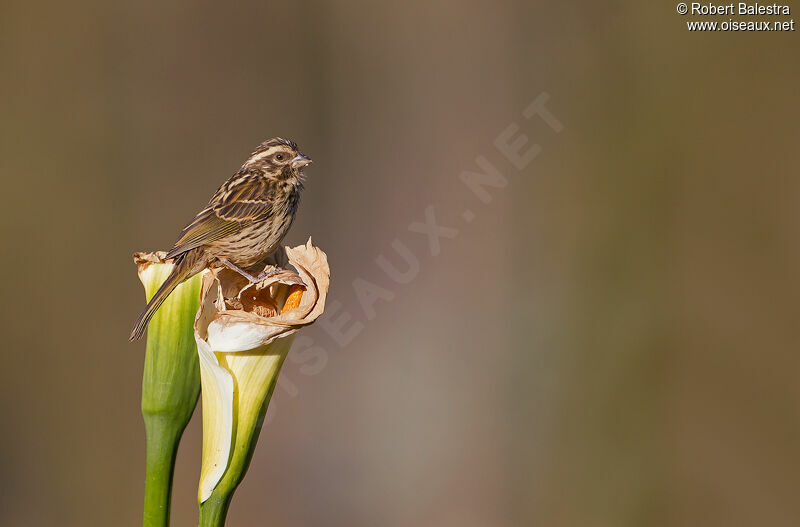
(179,273)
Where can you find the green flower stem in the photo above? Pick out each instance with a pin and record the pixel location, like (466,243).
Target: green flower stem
(214,510)
(170,387)
(163,436)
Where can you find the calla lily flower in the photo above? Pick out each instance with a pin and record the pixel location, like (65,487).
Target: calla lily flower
(170,382)
(244,332)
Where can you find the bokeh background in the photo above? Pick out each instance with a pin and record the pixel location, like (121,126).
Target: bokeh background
(611,341)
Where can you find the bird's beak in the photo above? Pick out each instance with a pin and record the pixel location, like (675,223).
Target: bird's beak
(300,161)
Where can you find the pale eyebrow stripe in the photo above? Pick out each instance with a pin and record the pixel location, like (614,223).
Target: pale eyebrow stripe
(265,153)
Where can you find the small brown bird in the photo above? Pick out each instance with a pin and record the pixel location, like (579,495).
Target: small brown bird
(243,223)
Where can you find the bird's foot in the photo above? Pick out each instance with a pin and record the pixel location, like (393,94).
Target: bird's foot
(250,278)
(263,275)
(287,277)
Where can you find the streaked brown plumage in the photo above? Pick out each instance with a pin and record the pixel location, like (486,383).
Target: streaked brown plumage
(243,223)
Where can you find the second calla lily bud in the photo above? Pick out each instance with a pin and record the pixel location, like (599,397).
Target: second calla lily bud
(171,380)
(244,332)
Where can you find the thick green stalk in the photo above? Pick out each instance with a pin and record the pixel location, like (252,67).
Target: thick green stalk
(162,446)
(170,386)
(214,510)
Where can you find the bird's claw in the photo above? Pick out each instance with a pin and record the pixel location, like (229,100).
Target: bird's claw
(287,277)
(263,275)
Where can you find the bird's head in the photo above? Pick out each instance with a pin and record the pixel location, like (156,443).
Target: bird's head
(279,158)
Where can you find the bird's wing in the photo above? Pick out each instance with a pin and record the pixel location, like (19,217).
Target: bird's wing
(205,228)
(229,210)
(244,211)
(247,200)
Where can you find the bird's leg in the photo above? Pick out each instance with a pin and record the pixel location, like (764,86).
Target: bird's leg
(252,279)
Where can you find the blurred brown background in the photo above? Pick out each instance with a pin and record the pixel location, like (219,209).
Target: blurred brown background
(611,341)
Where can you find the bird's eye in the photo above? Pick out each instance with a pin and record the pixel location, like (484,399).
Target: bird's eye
(279,157)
